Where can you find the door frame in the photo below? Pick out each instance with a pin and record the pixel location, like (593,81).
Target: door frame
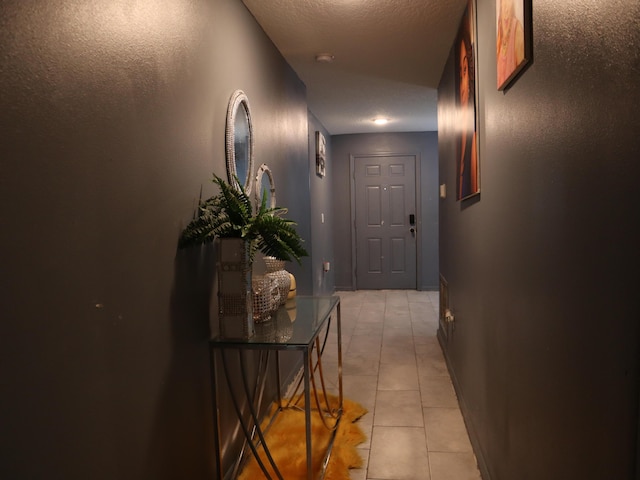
(418,209)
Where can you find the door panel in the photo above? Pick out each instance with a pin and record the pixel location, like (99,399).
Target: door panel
(397,213)
(398,260)
(374,250)
(384,200)
(374,206)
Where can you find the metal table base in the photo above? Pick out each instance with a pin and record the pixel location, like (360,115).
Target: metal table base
(306,333)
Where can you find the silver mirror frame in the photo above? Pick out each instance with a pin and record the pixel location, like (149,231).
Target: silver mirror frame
(264,169)
(237,102)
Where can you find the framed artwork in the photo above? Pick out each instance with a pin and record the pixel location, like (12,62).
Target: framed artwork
(321,154)
(466,78)
(513,39)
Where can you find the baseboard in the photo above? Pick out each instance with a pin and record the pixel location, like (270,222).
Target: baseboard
(292,383)
(473,436)
(346,288)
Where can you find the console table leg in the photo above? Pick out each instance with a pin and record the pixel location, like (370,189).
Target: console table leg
(339,325)
(307,411)
(216,418)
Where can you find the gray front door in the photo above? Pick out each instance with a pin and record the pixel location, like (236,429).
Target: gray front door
(385,204)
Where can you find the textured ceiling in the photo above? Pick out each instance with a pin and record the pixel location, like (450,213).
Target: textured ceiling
(389,55)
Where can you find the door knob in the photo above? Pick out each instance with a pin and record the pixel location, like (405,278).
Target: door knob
(412,230)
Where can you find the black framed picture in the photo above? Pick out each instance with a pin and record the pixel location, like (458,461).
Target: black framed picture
(468,164)
(321,154)
(513,39)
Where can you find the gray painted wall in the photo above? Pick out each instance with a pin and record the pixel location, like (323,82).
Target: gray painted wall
(425,145)
(321,206)
(542,267)
(112,118)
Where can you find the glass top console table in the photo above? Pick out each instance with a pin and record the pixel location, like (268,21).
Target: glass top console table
(303,325)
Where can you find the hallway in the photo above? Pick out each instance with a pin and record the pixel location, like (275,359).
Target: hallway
(393,365)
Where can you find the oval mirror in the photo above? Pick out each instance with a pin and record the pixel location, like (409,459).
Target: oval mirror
(239,142)
(265,186)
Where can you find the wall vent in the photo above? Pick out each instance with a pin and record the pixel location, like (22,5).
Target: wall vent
(444,307)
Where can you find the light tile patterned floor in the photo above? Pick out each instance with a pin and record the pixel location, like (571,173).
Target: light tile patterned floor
(393,365)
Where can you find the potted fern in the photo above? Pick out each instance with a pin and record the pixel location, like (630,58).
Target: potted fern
(229,218)
(229,214)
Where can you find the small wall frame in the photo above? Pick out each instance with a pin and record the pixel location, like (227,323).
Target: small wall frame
(321,154)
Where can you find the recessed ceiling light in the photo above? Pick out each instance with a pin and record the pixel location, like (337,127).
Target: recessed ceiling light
(325,57)
(380,121)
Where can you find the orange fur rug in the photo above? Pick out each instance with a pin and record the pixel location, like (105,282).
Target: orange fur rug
(286,441)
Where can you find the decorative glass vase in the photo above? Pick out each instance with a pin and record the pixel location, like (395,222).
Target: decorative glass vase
(266,298)
(276,271)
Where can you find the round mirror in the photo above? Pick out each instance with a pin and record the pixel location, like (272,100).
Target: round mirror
(265,186)
(239,142)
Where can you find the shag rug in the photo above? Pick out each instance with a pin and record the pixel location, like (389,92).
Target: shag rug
(286,441)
